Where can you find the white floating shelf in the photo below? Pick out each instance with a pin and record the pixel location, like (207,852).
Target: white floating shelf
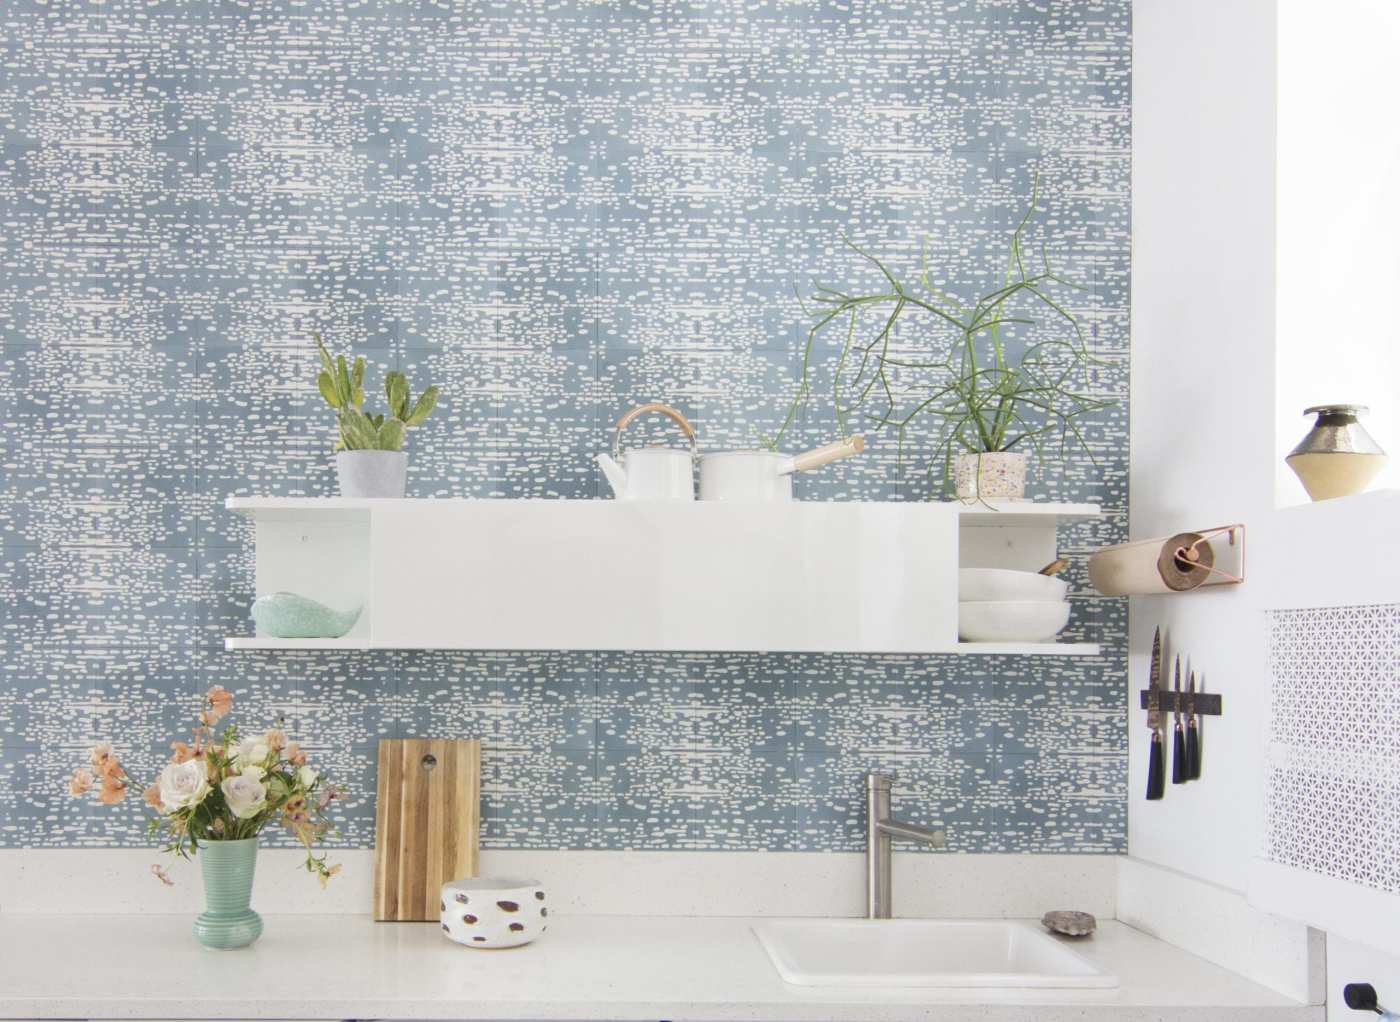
(610,575)
(976,514)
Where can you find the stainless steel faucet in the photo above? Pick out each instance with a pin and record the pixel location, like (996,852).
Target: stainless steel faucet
(880,830)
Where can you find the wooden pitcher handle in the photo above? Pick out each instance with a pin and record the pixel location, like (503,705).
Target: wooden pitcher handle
(827,454)
(652,406)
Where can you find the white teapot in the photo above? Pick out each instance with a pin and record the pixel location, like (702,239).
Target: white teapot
(651,473)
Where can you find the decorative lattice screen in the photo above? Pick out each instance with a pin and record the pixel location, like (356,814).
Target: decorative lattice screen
(1332,778)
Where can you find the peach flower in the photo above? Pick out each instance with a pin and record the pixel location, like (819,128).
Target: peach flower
(220,701)
(276,739)
(80,783)
(113,790)
(295,756)
(182,753)
(152,795)
(99,754)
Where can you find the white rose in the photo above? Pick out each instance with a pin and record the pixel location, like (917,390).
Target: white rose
(245,795)
(256,773)
(307,776)
(252,752)
(183,785)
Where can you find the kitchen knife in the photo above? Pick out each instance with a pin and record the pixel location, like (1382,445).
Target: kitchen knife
(1155,776)
(1193,732)
(1179,767)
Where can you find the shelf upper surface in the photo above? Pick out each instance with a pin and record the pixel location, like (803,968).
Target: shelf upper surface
(1038,649)
(1016,514)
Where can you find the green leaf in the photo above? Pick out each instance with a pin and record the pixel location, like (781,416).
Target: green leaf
(391,435)
(426,401)
(326,386)
(357,375)
(378,420)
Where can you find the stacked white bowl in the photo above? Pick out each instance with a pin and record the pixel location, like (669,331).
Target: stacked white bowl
(1002,605)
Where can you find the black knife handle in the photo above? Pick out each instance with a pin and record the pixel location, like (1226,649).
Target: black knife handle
(1193,751)
(1179,768)
(1156,778)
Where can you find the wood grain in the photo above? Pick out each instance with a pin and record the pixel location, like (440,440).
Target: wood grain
(426,825)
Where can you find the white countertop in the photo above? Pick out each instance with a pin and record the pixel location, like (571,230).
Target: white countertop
(585,967)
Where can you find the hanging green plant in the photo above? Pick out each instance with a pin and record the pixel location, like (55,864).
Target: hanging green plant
(970,392)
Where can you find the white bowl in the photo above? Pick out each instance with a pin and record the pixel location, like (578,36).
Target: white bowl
(493,912)
(981,584)
(1011,620)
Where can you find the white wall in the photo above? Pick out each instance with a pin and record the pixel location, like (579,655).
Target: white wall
(1215,400)
(1202,441)
(1338,219)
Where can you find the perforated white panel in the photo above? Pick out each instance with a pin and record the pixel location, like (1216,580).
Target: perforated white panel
(1332,780)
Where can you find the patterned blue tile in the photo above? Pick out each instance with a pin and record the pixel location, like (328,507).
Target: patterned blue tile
(552,211)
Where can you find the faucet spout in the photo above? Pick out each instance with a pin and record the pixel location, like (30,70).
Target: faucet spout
(914,832)
(881,829)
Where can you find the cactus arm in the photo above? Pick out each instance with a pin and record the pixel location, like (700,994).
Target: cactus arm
(357,380)
(391,435)
(325,355)
(342,381)
(396,390)
(425,404)
(359,434)
(327,388)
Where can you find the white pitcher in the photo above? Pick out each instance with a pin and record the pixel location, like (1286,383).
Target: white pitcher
(651,473)
(765,475)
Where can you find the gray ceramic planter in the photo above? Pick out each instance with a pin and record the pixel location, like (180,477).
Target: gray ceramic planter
(372,473)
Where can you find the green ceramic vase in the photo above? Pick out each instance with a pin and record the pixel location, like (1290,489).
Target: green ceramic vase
(228,922)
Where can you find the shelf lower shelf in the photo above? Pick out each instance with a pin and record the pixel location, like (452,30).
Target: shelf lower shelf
(1065,649)
(1047,649)
(235,642)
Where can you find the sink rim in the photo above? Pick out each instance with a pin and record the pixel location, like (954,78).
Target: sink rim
(766,932)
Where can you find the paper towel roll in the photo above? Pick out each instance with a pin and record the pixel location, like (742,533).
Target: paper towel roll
(1152,566)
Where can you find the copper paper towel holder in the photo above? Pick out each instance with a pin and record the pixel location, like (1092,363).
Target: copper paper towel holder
(1191,555)
(1171,564)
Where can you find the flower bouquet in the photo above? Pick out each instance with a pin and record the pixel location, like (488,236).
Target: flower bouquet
(214,798)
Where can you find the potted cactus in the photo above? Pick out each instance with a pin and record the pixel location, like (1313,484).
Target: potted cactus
(369,458)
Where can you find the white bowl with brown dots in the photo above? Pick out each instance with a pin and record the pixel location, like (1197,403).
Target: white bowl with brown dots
(493,912)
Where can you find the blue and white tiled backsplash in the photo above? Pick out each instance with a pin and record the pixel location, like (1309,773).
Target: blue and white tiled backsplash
(554,210)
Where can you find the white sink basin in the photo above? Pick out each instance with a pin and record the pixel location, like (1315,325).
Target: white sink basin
(924,953)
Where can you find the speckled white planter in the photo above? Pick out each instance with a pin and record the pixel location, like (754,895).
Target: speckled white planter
(493,912)
(999,475)
(372,473)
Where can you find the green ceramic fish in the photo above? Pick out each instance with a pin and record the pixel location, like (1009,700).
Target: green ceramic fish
(289,616)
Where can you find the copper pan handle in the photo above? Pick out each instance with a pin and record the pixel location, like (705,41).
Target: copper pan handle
(652,406)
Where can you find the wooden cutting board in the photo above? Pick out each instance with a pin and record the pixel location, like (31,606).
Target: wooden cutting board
(426,824)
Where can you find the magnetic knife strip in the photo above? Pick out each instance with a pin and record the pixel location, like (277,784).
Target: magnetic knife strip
(1207,703)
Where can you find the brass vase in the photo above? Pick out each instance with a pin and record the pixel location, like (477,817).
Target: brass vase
(1338,457)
